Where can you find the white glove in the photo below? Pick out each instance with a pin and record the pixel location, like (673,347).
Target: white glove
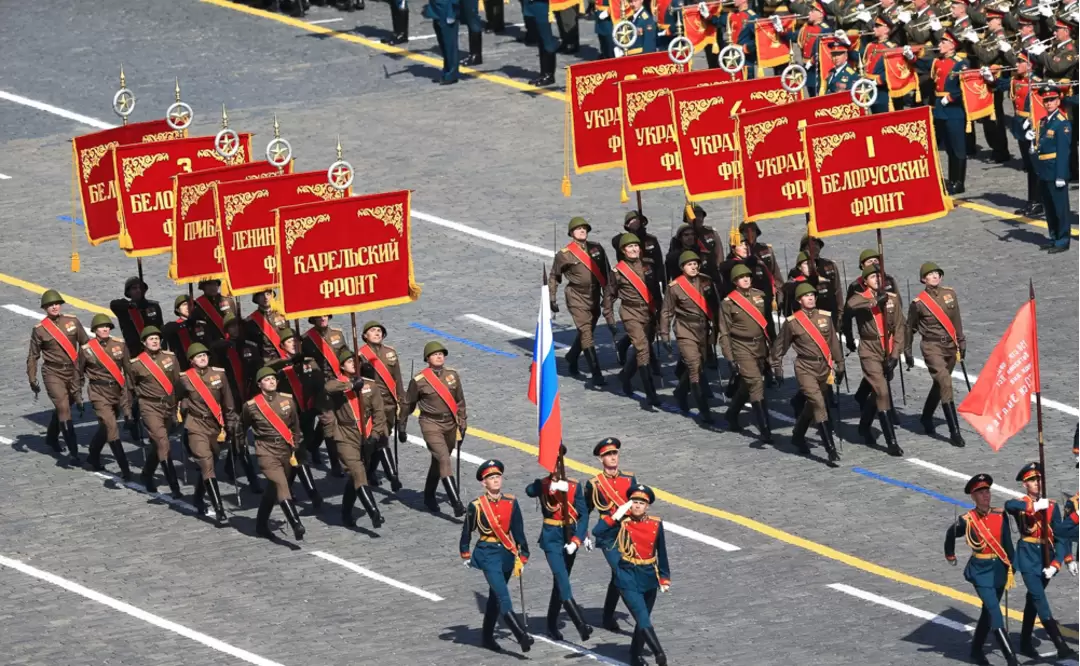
(703,9)
(778,24)
(1059,183)
(1075,17)
(945,100)
(1004,46)
(1072,567)
(1041,504)
(1027,124)
(556,486)
(1031,148)
(1029,136)
(619,52)
(588,543)
(1036,49)
(603,16)
(665,588)
(842,36)
(826,2)
(466,563)
(863,16)
(570,548)
(908,53)
(621,511)
(986,73)
(1049,572)
(935,24)
(970,36)
(1046,10)
(905,17)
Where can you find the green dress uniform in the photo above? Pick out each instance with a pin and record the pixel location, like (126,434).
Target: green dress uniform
(604,493)
(1053,154)
(443,15)
(949,118)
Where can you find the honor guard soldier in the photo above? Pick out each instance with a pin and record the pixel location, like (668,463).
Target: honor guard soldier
(566,526)
(1032,552)
(443,15)
(1021,88)
(642,565)
(55,341)
(134,313)
(819,363)
(585,266)
(360,419)
(264,327)
(645,23)
(807,37)
(873,57)
(1052,151)
(866,258)
(274,421)
(323,343)
(299,377)
(634,283)
(501,551)
(744,342)
(437,391)
(154,374)
(880,319)
(399,20)
(922,28)
(1059,63)
(994,49)
(737,27)
(637,224)
(538,11)
(691,306)
(386,367)
(989,570)
(604,28)
(935,316)
(842,75)
(949,118)
(105,365)
(604,493)
(209,412)
(704,240)
(470,16)
(800,274)
(761,260)
(212,307)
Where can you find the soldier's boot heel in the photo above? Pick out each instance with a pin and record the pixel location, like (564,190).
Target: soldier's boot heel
(403,36)
(553,614)
(578,618)
(348,500)
(1063,649)
(953,420)
(71,441)
(731,416)
(654,644)
(682,390)
(518,630)
(146,476)
(289,509)
(829,444)
(636,643)
(52,434)
(169,470)
(626,375)
(476,48)
(198,498)
(761,416)
(651,399)
(621,348)
(594,363)
(308,482)
(1006,647)
(452,496)
(889,432)
(702,403)
(93,458)
(262,516)
(368,501)
(120,456)
(221,519)
(390,468)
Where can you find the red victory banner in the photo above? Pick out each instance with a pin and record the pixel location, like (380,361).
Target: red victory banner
(900,77)
(978,101)
(196,247)
(345,256)
(705,132)
(592,106)
(700,32)
(873,172)
(93,171)
(650,152)
(246,224)
(144,177)
(771,50)
(771,156)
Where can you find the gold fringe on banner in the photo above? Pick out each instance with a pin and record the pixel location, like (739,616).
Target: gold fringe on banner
(567,119)
(76,264)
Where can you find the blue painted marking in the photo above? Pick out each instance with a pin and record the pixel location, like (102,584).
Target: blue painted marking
(909,486)
(464,341)
(67,218)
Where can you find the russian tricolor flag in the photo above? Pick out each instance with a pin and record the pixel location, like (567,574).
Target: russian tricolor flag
(544,388)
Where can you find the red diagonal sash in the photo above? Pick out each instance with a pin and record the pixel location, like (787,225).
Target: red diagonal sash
(268,331)
(297,387)
(136,318)
(184,336)
(442,389)
(238,370)
(879,319)
(814,334)
(106,361)
(693,293)
(611,492)
(939,314)
(354,405)
(748,307)
(384,372)
(211,312)
(204,392)
(326,350)
(156,371)
(989,539)
(496,526)
(639,285)
(274,419)
(590,263)
(61,339)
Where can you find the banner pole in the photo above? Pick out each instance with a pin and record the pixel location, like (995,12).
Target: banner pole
(1043,519)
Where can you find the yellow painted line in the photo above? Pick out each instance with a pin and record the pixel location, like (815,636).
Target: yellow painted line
(437,63)
(38,289)
(1008,217)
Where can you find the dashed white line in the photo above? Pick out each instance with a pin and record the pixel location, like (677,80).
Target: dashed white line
(903,608)
(137,613)
(959,475)
(376,576)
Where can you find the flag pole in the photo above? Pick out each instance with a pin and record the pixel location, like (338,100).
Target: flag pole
(1043,520)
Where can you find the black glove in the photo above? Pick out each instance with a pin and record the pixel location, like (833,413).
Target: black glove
(554,308)
(401,435)
(882,297)
(358,383)
(35,387)
(372,442)
(839,376)
(778,374)
(851,344)
(910,362)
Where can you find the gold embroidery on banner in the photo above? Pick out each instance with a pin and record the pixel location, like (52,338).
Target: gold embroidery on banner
(755,134)
(694,109)
(162,136)
(824,146)
(774,96)
(257,176)
(915,132)
(636,102)
(842,112)
(296,228)
(321,190)
(236,203)
(393,215)
(91,157)
(587,85)
(662,70)
(190,195)
(133,167)
(238,158)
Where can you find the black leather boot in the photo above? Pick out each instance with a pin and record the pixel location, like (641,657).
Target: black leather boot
(289,509)
(761,417)
(828,443)
(518,630)
(553,614)
(611,600)
(731,416)
(52,433)
(212,490)
(573,354)
(953,419)
(624,342)
(335,462)
(93,458)
(798,433)
(429,489)
(262,517)
(929,407)
(594,363)
(475,55)
(702,403)
(147,474)
(889,431)
(961,177)
(170,476)
(121,459)
(487,633)
(682,389)
(390,468)
(626,375)
(654,644)
(367,500)
(72,442)
(308,482)
(862,392)
(1063,649)
(198,497)
(866,420)
(348,500)
(1006,647)
(636,643)
(645,375)
(254,485)
(452,496)
(578,618)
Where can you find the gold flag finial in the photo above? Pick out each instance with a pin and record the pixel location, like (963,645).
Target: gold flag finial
(224,117)
(339,147)
(123,79)
(178,89)
(277,128)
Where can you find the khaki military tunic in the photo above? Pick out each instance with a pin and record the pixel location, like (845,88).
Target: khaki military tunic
(691,324)
(133,317)
(390,399)
(438,424)
(637,316)
(336,338)
(583,290)
(862,306)
(224,305)
(200,423)
(106,395)
(938,348)
(269,349)
(351,442)
(273,450)
(59,372)
(157,408)
(743,341)
(811,368)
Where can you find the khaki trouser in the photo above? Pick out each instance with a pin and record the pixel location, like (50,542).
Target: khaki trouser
(61,391)
(814,388)
(873,369)
(441,438)
(157,418)
(640,333)
(585,320)
(274,462)
(692,351)
(940,361)
(350,453)
(749,369)
(204,450)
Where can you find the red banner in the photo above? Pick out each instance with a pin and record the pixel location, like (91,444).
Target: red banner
(650,151)
(900,77)
(93,170)
(978,101)
(592,100)
(245,214)
(771,50)
(196,250)
(345,256)
(705,132)
(873,172)
(144,173)
(699,31)
(770,152)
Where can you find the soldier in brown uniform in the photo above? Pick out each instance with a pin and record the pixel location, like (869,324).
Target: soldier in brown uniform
(134,312)
(154,374)
(105,365)
(828,278)
(212,307)
(55,340)
(819,363)
(323,342)
(637,224)
(694,235)
(300,377)
(386,365)
(935,316)
(181,333)
(585,267)
(880,319)
(691,306)
(633,282)
(209,411)
(866,258)
(745,344)
(800,274)
(355,398)
(238,357)
(274,421)
(761,260)
(264,327)
(443,420)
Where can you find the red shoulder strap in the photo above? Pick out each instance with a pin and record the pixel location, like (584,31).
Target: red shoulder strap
(939,314)
(748,307)
(297,387)
(496,526)
(136,318)
(692,291)
(384,372)
(268,331)
(326,350)
(156,371)
(211,312)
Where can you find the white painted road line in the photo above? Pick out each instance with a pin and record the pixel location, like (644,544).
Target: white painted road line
(484,235)
(324,21)
(37,315)
(959,475)
(376,576)
(577,649)
(903,608)
(137,613)
(56,111)
(499,326)
(4,177)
